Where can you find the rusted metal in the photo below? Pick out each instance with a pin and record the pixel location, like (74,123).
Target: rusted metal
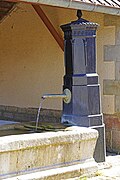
(49,25)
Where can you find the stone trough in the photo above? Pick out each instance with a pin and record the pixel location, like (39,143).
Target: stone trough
(50,155)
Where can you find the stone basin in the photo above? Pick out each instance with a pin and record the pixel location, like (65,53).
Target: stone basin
(49,155)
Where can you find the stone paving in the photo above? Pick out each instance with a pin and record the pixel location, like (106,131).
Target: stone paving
(109,170)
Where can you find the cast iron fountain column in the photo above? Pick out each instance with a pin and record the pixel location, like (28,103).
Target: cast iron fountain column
(82,80)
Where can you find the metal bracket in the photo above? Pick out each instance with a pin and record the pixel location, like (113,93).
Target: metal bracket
(67,99)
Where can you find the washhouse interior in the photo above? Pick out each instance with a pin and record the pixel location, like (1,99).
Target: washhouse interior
(33,64)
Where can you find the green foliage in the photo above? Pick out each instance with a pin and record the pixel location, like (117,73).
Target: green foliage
(83,178)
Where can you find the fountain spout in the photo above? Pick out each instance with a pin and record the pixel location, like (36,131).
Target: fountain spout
(66,96)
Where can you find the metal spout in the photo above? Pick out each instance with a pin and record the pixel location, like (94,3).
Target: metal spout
(66,96)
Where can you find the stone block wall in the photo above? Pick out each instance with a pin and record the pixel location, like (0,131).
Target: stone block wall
(28,114)
(111,87)
(112,133)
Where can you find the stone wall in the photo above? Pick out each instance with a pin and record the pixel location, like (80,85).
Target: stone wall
(112,123)
(28,114)
(111,87)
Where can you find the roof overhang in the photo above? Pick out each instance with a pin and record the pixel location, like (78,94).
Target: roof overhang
(78,4)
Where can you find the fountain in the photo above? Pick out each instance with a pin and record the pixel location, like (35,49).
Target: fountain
(51,155)
(84,108)
(82,80)
(66,96)
(67,153)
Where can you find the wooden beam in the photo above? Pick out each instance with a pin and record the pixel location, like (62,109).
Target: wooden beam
(49,25)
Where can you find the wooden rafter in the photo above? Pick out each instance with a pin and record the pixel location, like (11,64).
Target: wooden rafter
(49,25)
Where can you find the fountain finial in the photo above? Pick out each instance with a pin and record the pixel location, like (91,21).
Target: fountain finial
(79,13)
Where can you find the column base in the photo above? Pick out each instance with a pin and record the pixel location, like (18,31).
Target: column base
(84,121)
(94,122)
(100,149)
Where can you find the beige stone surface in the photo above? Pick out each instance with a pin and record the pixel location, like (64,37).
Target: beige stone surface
(117,104)
(112,53)
(111,20)
(28,152)
(117,70)
(112,87)
(106,70)
(109,104)
(31,60)
(109,70)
